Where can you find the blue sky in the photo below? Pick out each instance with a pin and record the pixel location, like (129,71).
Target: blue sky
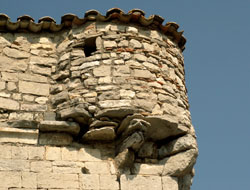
(217,73)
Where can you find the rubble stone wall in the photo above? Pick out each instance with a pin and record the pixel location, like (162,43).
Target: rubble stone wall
(101,106)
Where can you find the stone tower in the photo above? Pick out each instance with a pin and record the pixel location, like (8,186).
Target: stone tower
(94,103)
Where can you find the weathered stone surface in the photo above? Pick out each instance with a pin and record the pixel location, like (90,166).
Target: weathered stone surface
(163,127)
(102,71)
(44,61)
(40,166)
(133,142)
(170,183)
(109,44)
(69,153)
(181,144)
(89,181)
(53,153)
(5,152)
(148,150)
(140,58)
(60,126)
(185,182)
(10,179)
(135,43)
(148,169)
(143,74)
(89,64)
(33,88)
(27,124)
(115,112)
(40,70)
(114,103)
(109,182)
(34,107)
(9,104)
(14,135)
(147,105)
(36,153)
(67,167)
(57,180)
(138,182)
(78,112)
(29,180)
(124,159)
(8,64)
(179,164)
(14,165)
(59,98)
(98,124)
(101,134)
(14,53)
(61,139)
(89,154)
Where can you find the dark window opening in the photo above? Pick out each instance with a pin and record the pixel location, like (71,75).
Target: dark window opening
(89,46)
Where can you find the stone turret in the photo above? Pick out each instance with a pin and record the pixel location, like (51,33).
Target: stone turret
(94,103)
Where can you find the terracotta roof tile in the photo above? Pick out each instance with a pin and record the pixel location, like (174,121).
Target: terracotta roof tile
(26,23)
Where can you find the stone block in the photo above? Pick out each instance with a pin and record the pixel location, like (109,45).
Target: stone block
(89,64)
(60,139)
(60,126)
(69,153)
(179,164)
(9,104)
(34,107)
(67,167)
(121,70)
(89,181)
(98,167)
(109,44)
(148,169)
(53,153)
(102,71)
(115,103)
(143,74)
(8,64)
(36,153)
(34,88)
(14,165)
(181,144)
(20,116)
(14,53)
(138,182)
(10,179)
(170,183)
(44,61)
(2,85)
(109,182)
(5,152)
(102,134)
(89,154)
(19,152)
(29,180)
(57,180)
(41,166)
(13,135)
(32,78)
(10,77)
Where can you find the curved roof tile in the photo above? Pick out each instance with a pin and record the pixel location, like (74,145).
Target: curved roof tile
(26,23)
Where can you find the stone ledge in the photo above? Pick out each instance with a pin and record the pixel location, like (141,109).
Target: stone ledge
(14,135)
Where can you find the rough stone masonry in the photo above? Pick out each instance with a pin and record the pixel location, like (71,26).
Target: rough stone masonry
(94,103)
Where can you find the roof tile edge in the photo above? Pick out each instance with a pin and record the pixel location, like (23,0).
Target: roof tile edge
(135,16)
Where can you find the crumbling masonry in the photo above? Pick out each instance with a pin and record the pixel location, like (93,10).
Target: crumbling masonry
(94,103)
